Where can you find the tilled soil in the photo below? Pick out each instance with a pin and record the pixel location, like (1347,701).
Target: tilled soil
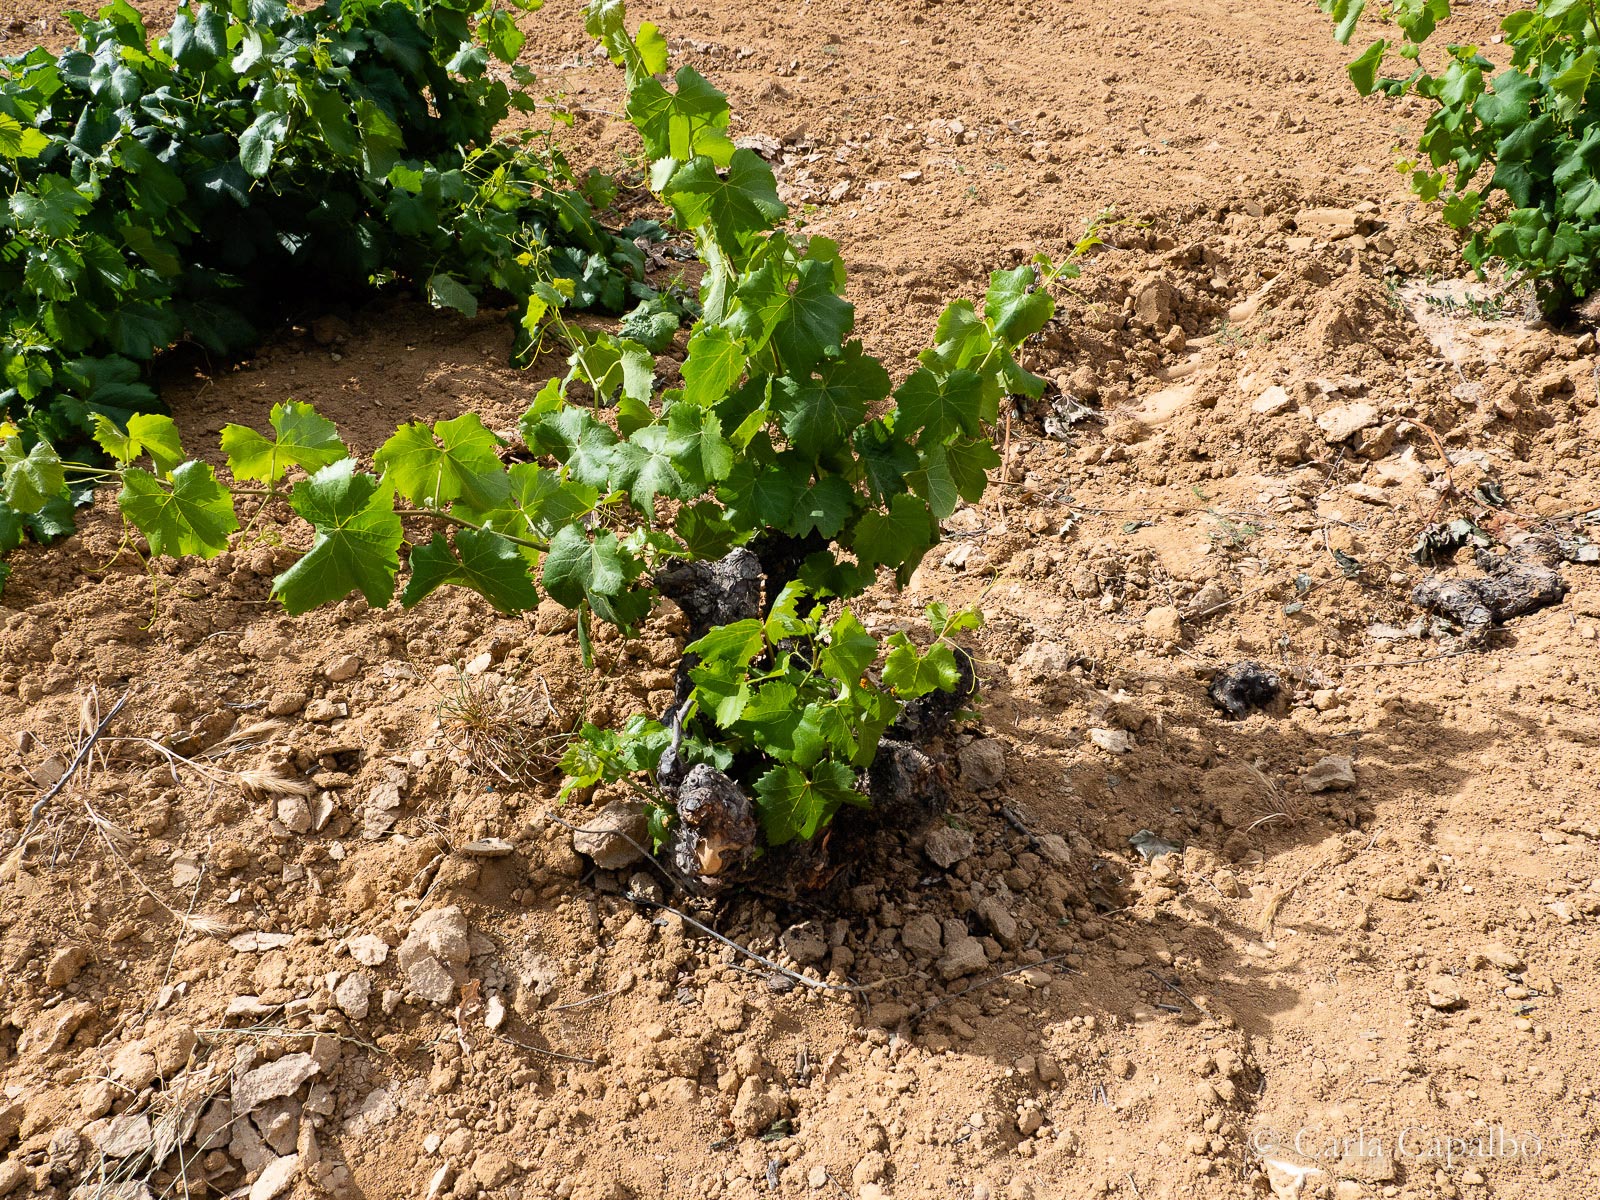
(291,933)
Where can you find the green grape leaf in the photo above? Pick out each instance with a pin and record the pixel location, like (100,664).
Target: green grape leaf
(764,493)
(733,645)
(305,439)
(697,446)
(849,652)
(17,142)
(578,569)
(716,361)
(151,433)
(969,461)
(357,543)
(456,458)
(737,205)
(51,206)
(446,291)
(260,141)
(498,31)
(823,412)
(960,339)
(885,457)
(680,124)
(826,506)
(194,516)
(32,479)
(1364,70)
(792,804)
(1015,312)
(940,408)
(896,538)
(936,484)
(482,561)
(910,673)
(804,324)
(644,466)
(572,436)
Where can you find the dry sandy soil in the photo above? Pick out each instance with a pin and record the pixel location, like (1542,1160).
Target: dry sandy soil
(1386,988)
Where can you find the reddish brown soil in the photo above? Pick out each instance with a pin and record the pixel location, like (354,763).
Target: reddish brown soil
(1377,970)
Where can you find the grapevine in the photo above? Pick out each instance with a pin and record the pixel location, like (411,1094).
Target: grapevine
(1531,128)
(788,467)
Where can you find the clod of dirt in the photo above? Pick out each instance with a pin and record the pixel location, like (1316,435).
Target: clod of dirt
(907,788)
(714,593)
(926,717)
(1333,774)
(1244,686)
(714,841)
(1523,580)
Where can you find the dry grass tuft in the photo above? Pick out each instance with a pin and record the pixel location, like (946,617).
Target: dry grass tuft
(509,730)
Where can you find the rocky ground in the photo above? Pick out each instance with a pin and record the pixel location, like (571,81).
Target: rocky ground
(299,928)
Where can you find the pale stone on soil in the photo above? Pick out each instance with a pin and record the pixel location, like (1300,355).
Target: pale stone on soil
(341,668)
(755,1108)
(1164,624)
(281,1078)
(1444,992)
(1272,402)
(945,846)
(368,949)
(275,1178)
(1346,420)
(125,1136)
(1330,224)
(294,814)
(983,764)
(64,966)
(922,935)
(997,919)
(1113,741)
(354,995)
(605,836)
(964,956)
(1333,774)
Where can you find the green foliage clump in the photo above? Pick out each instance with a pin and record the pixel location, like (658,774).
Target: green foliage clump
(1533,128)
(188,186)
(785,436)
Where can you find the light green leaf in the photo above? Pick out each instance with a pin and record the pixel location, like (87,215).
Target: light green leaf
(715,363)
(1015,312)
(33,479)
(357,544)
(737,205)
(793,804)
(18,142)
(910,673)
(193,516)
(456,458)
(304,439)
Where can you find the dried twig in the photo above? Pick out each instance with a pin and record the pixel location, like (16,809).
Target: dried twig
(37,812)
